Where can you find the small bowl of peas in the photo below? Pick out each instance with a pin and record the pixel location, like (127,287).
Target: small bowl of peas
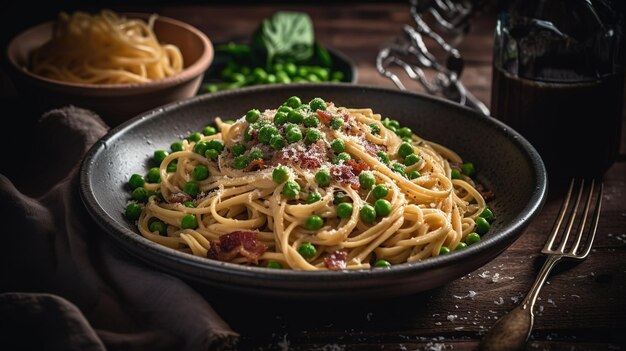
(225,73)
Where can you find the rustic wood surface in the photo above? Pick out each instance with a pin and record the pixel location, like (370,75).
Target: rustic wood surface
(582,307)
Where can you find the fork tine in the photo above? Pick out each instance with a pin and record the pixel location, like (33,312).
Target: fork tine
(594,224)
(559,220)
(583,221)
(572,218)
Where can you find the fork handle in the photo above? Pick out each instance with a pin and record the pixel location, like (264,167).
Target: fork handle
(512,331)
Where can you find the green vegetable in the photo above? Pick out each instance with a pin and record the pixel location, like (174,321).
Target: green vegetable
(322,177)
(176,146)
(339,197)
(482,225)
(455,174)
(209,130)
(277,142)
(274,265)
(411,159)
(405,132)
(368,214)
(318,103)
(398,167)
(307,250)
(374,128)
(293,133)
(380,191)
(488,215)
(159,227)
(200,172)
(285,37)
(461,246)
(189,204)
(344,210)
(212,154)
(136,181)
(343,156)
(384,158)
(313,135)
(472,238)
(293,102)
(160,155)
(338,145)
(314,222)
(266,133)
(253,115)
(280,118)
(200,147)
(154,175)
(405,149)
(468,169)
(215,144)
(336,123)
(238,149)
(444,250)
(133,211)
(314,197)
(189,222)
(366,180)
(280,174)
(413,174)
(194,137)
(139,195)
(382,263)
(295,116)
(382,207)
(311,121)
(241,162)
(191,188)
(171,168)
(291,189)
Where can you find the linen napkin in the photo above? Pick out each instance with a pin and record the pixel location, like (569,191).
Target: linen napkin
(63,285)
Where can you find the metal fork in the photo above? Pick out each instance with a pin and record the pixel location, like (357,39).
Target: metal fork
(512,331)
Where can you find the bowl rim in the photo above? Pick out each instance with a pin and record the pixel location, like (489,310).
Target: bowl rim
(196,69)
(239,275)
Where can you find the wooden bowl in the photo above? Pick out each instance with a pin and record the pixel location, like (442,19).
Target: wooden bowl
(115,103)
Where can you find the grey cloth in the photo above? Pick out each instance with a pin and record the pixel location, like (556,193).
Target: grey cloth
(63,286)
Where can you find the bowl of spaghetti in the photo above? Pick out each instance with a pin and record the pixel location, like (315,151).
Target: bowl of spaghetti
(314,190)
(117,65)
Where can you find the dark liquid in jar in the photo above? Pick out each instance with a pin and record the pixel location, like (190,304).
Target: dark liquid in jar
(576,127)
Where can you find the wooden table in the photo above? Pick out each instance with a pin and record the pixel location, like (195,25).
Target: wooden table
(581,307)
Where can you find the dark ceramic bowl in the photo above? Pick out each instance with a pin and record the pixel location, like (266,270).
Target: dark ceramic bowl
(506,163)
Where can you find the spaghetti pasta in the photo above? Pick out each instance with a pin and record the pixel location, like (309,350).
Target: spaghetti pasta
(105,49)
(309,187)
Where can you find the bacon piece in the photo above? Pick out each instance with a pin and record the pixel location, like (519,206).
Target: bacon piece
(372,148)
(487,194)
(255,165)
(179,197)
(357,166)
(336,260)
(311,158)
(242,243)
(344,174)
(324,116)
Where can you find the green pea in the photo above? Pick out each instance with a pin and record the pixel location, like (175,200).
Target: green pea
(405,132)
(380,191)
(282,77)
(293,101)
(209,130)
(200,147)
(368,214)
(154,175)
(136,181)
(259,75)
(482,225)
(392,128)
(455,174)
(280,118)
(274,265)
(133,211)
(394,123)
(238,149)
(413,174)
(176,146)
(311,121)
(295,117)
(407,139)
(189,204)
(468,169)
(314,222)
(382,207)
(194,137)
(307,250)
(159,227)
(291,69)
(314,197)
(472,238)
(366,180)
(256,155)
(338,145)
(344,210)
(277,142)
(488,215)
(374,128)
(139,195)
(189,222)
(342,157)
(384,158)
(253,115)
(171,168)
(336,123)
(317,104)
(191,188)
(405,149)
(339,197)
(285,109)
(215,144)
(461,246)
(241,162)
(322,177)
(212,154)
(411,159)
(293,134)
(291,189)
(398,167)
(160,155)
(270,79)
(444,250)
(247,134)
(382,263)
(313,135)
(336,76)
(200,172)
(266,133)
